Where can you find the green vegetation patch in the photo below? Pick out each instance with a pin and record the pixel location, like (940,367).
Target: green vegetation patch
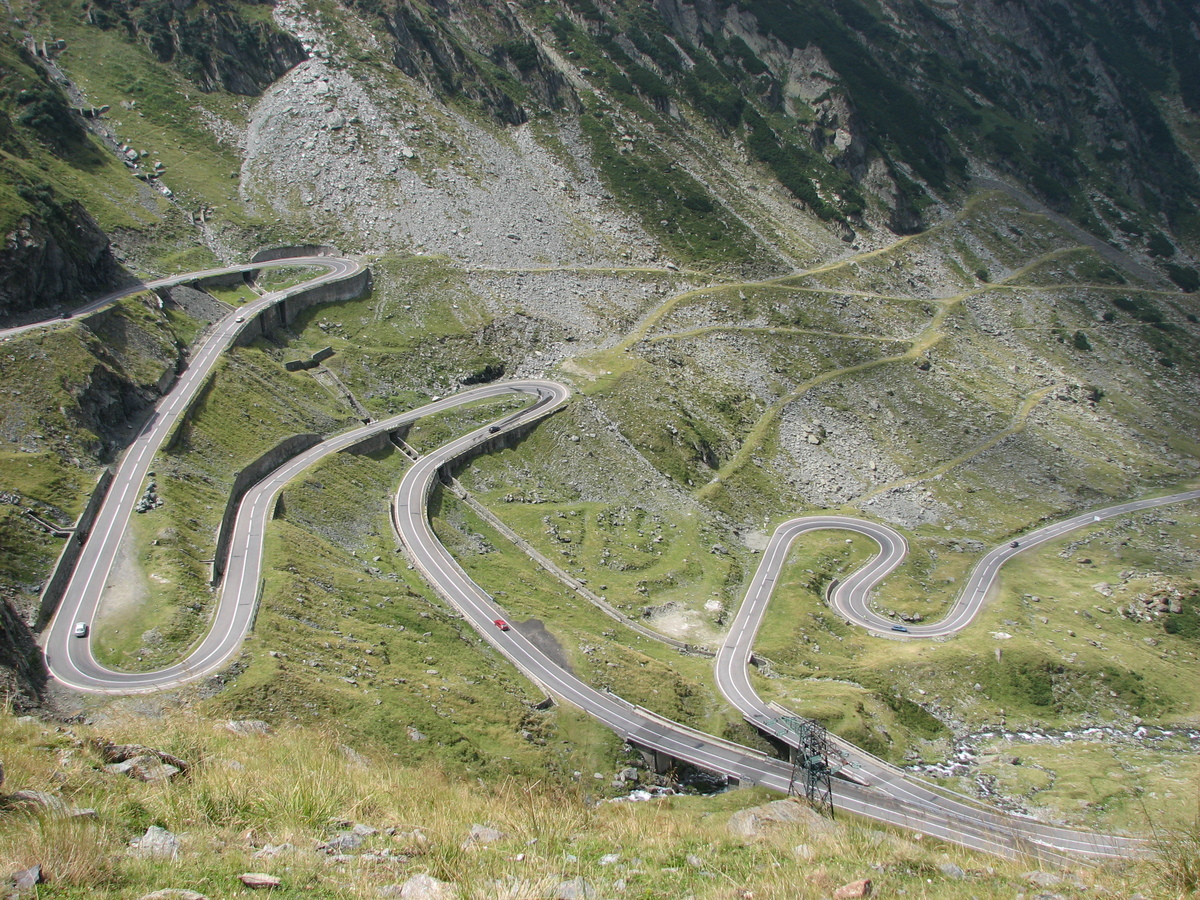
(671,204)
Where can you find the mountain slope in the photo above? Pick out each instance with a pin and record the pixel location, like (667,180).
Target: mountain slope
(790,256)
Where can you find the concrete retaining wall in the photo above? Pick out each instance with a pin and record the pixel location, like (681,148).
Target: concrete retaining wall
(273,319)
(52,593)
(373,444)
(186,416)
(229,279)
(247,478)
(275,253)
(505,440)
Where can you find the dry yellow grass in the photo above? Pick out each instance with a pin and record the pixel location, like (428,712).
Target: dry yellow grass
(300,787)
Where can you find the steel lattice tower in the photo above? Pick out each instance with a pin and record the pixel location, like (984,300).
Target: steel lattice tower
(810,762)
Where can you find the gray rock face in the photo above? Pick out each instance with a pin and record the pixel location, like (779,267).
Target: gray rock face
(22,671)
(156,843)
(45,265)
(419,887)
(144,768)
(248,726)
(26,879)
(39,800)
(575,889)
(345,842)
(259,880)
(759,821)
(1042,879)
(174,894)
(483,834)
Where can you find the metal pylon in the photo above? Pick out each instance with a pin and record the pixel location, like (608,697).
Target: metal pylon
(810,762)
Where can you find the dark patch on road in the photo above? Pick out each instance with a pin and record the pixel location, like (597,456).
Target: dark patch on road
(535,632)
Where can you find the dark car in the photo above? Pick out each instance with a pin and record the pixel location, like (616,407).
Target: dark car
(900,628)
(1015,544)
(501,624)
(493,429)
(65,315)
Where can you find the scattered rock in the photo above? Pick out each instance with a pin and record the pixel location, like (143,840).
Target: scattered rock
(173,894)
(853,890)
(38,800)
(259,880)
(354,756)
(804,852)
(156,843)
(144,768)
(419,887)
(248,726)
(758,821)
(1042,879)
(270,851)
(482,834)
(950,870)
(26,879)
(119,753)
(345,842)
(575,889)
(413,734)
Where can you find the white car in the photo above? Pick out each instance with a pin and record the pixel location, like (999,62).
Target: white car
(240,319)
(81,629)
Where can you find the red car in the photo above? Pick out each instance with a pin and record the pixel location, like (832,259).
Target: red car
(501,624)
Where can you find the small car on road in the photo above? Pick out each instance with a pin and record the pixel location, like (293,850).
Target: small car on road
(493,429)
(1015,544)
(81,629)
(900,628)
(240,319)
(501,624)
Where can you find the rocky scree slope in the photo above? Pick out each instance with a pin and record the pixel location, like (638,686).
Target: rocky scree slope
(746,137)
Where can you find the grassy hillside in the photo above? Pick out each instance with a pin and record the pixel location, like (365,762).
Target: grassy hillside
(275,803)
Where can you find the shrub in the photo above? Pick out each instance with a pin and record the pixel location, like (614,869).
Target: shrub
(1185,277)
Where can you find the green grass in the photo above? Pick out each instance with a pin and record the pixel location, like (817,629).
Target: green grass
(58,428)
(234,295)
(599,650)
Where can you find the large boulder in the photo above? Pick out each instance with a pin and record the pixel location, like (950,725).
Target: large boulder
(419,887)
(156,843)
(759,821)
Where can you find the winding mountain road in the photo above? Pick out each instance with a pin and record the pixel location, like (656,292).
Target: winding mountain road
(70,659)
(892,797)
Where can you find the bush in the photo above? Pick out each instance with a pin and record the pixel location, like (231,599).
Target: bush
(1185,277)
(1158,245)
(523,54)
(45,111)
